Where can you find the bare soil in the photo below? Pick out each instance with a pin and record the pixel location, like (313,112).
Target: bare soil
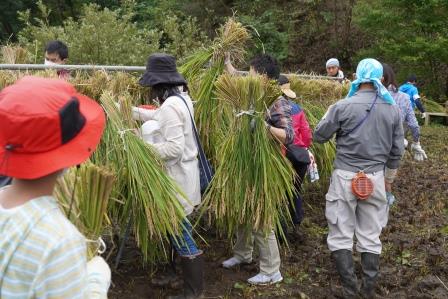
(414,263)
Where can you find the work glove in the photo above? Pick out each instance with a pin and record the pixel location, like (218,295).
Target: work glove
(390,198)
(424,115)
(98,278)
(406,142)
(312,170)
(419,153)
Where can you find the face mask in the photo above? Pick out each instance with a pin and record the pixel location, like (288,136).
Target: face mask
(48,62)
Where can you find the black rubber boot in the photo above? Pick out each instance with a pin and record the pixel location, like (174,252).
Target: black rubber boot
(370,263)
(193,275)
(344,264)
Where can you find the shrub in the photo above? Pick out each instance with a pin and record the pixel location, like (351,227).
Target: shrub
(104,36)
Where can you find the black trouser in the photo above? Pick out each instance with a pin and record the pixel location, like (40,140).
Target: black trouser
(295,205)
(4,181)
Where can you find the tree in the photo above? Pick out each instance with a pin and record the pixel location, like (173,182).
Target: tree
(411,35)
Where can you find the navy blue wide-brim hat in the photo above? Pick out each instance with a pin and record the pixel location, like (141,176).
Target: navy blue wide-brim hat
(161,68)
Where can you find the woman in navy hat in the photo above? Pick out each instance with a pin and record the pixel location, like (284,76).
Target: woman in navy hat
(177,146)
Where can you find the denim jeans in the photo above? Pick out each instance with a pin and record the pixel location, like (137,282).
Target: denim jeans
(185,244)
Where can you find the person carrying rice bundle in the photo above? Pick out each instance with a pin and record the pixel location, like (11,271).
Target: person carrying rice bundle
(279,124)
(408,119)
(42,254)
(369,137)
(407,114)
(297,153)
(176,145)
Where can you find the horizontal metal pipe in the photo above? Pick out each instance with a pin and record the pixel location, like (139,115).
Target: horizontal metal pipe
(87,67)
(297,75)
(120,68)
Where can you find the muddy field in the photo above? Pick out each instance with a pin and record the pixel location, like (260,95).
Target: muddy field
(414,262)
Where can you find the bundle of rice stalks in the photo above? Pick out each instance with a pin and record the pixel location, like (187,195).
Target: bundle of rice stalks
(213,119)
(252,184)
(152,196)
(10,77)
(14,54)
(91,84)
(87,210)
(432,106)
(127,83)
(319,91)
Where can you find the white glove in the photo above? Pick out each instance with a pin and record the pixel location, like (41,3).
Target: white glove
(423,114)
(390,175)
(406,142)
(98,278)
(419,153)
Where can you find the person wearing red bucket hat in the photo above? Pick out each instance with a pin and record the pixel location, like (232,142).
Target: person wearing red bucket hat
(46,126)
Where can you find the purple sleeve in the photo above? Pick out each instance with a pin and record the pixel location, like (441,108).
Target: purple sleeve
(411,121)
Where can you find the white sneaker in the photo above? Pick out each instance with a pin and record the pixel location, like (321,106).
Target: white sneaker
(262,279)
(232,262)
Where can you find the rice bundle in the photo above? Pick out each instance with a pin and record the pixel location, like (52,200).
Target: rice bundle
(14,54)
(91,84)
(319,91)
(151,198)
(252,184)
(88,208)
(10,77)
(213,119)
(432,106)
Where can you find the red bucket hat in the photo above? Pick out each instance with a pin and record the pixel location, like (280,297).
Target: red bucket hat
(45,126)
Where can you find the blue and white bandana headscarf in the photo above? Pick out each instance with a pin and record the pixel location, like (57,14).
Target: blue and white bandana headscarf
(371,71)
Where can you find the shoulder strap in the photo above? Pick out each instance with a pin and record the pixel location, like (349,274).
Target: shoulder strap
(204,165)
(362,120)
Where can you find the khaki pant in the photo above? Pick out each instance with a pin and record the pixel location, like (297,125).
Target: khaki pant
(348,216)
(267,247)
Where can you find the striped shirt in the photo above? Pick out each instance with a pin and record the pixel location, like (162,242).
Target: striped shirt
(42,255)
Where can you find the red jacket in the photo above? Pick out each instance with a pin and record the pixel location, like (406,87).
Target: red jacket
(302,130)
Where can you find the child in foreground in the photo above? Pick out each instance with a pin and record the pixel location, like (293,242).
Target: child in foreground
(46,127)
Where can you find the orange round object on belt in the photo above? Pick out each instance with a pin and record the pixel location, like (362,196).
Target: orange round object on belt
(362,186)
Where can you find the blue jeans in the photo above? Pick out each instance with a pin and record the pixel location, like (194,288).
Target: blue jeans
(184,244)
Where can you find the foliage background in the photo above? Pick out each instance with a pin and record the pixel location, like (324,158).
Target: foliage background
(411,35)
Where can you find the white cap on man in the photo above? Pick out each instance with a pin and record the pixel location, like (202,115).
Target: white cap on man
(332,62)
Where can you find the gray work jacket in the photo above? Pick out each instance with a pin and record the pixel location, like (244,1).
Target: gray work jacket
(374,144)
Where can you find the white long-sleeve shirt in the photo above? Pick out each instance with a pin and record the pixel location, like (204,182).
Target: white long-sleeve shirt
(178,147)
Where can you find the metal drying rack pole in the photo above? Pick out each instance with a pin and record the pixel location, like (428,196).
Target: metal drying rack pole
(121,68)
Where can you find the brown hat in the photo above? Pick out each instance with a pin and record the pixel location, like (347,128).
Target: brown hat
(285,86)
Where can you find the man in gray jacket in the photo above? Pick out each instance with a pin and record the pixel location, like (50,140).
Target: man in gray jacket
(369,137)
